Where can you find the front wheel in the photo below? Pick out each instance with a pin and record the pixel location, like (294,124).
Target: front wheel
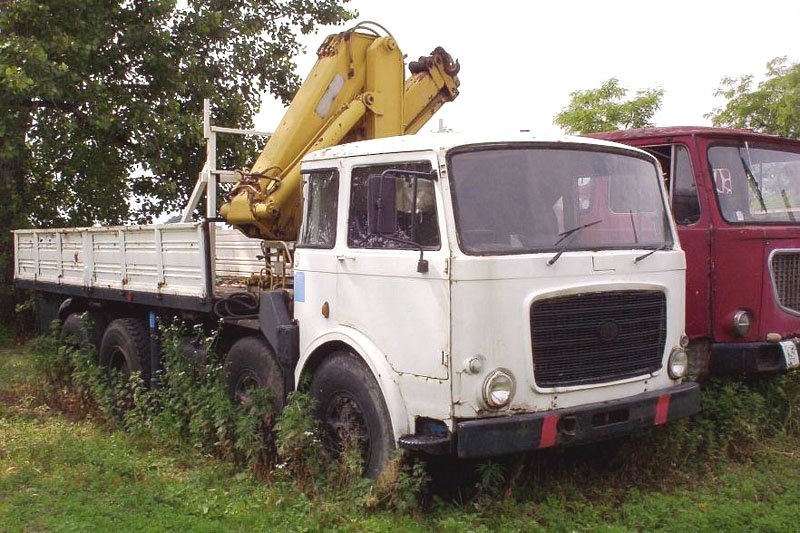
(351,408)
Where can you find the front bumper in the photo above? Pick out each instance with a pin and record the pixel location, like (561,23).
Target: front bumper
(754,357)
(598,421)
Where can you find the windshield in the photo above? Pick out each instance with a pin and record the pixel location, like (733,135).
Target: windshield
(756,184)
(515,199)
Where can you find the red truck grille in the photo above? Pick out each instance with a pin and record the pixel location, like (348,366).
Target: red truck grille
(786,277)
(597,337)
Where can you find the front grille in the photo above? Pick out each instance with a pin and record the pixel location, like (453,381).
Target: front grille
(786,277)
(597,337)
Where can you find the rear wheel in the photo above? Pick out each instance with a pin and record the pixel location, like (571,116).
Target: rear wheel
(352,411)
(80,329)
(251,364)
(71,330)
(126,348)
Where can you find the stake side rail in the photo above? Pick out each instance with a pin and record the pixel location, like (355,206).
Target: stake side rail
(167,265)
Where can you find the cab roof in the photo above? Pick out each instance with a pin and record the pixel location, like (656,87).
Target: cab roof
(442,142)
(682,131)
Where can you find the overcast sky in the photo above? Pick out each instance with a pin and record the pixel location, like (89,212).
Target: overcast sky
(520,60)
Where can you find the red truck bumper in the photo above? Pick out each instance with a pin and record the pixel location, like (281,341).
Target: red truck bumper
(754,357)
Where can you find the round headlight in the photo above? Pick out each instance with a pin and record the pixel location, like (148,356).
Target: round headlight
(498,389)
(742,320)
(678,363)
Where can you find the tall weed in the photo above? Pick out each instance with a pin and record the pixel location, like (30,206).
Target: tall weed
(191,406)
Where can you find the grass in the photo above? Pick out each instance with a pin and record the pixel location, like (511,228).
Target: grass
(61,474)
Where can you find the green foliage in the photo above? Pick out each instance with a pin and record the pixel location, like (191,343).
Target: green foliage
(102,101)
(191,407)
(297,441)
(605,109)
(60,474)
(771,106)
(400,485)
(106,97)
(736,415)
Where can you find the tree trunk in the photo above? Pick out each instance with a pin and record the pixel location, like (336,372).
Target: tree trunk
(13,212)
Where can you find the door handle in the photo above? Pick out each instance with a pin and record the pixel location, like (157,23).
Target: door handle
(343,257)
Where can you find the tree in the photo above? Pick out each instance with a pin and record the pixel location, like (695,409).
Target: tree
(605,109)
(101,100)
(773,106)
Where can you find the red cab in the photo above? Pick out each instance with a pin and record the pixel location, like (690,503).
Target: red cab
(735,196)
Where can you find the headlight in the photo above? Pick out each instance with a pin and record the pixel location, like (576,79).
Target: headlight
(498,389)
(678,363)
(742,321)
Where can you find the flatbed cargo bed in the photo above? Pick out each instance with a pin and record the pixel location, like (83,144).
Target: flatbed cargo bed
(165,263)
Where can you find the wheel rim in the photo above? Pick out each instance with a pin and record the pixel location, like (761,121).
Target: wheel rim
(345,425)
(246,382)
(118,362)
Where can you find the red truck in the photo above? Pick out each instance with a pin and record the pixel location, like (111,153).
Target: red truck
(735,195)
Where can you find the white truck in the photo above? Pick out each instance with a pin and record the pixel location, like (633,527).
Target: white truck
(449,294)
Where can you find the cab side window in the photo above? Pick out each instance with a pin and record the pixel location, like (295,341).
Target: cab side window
(416,216)
(685,204)
(679,180)
(319,229)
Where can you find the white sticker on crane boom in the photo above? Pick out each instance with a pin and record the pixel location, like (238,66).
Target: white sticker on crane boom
(325,103)
(790,354)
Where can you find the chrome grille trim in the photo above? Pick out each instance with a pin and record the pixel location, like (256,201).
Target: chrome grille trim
(784,270)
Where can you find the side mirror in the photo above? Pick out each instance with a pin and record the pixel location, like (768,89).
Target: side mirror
(382,204)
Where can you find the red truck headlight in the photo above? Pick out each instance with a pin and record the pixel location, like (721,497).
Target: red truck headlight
(742,320)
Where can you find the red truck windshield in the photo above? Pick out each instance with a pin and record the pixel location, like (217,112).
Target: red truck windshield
(514,199)
(756,185)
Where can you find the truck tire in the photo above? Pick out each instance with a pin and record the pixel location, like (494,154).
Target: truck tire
(72,330)
(81,329)
(126,348)
(350,405)
(251,363)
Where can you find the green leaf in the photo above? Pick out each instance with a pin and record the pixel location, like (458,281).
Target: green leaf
(605,109)
(771,106)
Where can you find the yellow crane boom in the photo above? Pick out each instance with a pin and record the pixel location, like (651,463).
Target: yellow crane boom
(357,90)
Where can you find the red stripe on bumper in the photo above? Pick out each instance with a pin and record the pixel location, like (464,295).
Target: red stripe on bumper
(662,409)
(549,432)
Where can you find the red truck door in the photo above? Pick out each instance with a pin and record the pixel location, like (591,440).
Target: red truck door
(694,229)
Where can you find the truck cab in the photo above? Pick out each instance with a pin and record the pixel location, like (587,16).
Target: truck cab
(735,196)
(505,294)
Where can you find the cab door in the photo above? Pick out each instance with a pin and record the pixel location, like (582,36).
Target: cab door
(694,230)
(315,256)
(383,291)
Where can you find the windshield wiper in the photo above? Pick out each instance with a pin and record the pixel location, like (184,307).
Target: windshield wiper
(566,235)
(751,178)
(788,205)
(651,252)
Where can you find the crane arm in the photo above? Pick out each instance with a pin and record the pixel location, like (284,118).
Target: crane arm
(355,91)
